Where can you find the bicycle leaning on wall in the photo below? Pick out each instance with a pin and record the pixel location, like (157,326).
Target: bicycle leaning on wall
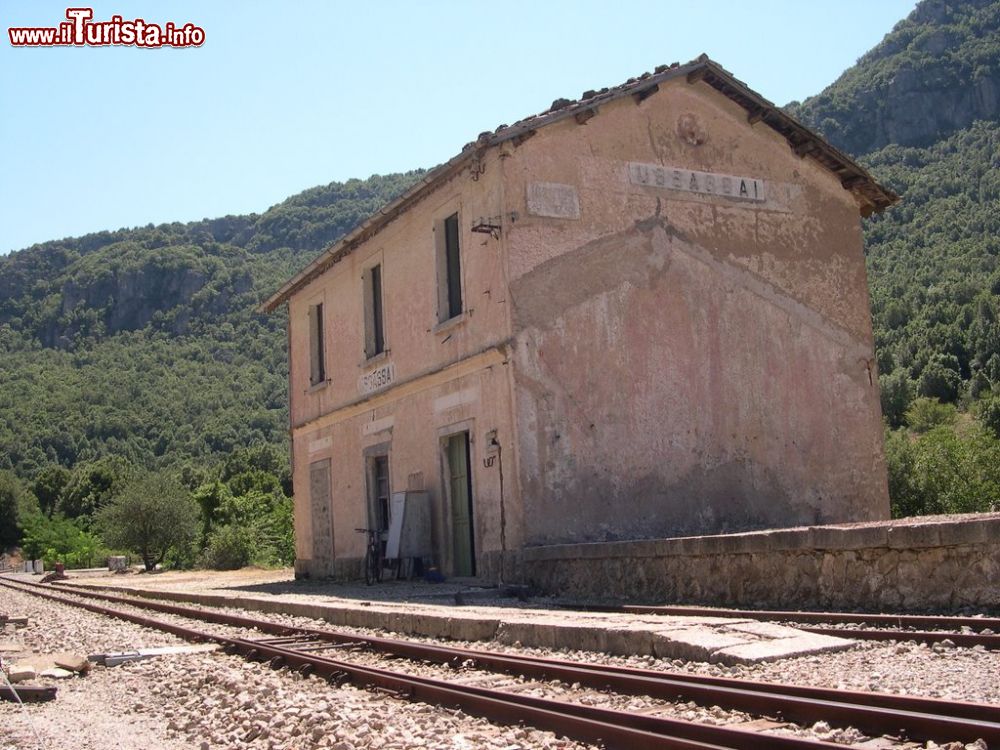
(374,561)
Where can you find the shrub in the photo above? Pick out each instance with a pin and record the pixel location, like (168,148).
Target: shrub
(989,415)
(229,547)
(925,414)
(59,539)
(943,472)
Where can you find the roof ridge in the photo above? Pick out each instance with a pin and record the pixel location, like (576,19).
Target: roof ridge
(803,141)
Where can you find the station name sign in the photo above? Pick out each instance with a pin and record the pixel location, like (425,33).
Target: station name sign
(704,183)
(377,379)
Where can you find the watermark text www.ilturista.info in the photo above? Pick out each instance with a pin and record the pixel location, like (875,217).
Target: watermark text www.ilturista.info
(80,30)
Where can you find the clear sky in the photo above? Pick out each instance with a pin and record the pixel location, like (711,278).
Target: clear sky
(285,96)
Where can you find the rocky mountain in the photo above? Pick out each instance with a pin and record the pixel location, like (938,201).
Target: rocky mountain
(922,110)
(935,73)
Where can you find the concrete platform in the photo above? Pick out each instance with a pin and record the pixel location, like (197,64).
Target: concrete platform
(710,639)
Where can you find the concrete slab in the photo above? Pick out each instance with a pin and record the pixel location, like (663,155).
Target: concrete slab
(695,644)
(715,639)
(780,648)
(765,629)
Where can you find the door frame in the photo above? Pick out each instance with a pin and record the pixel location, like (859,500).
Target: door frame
(370,453)
(447,527)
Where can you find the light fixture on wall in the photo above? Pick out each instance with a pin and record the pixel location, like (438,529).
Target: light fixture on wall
(487,225)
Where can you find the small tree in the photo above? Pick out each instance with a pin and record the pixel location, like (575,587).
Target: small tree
(151,515)
(49,486)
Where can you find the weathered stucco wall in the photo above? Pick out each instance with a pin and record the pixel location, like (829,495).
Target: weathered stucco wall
(687,363)
(652,361)
(446,379)
(910,564)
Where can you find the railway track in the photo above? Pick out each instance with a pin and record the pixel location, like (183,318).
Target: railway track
(962,631)
(312,650)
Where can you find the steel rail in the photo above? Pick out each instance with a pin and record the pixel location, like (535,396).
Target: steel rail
(882,633)
(873,713)
(888,620)
(967,640)
(611,728)
(548,668)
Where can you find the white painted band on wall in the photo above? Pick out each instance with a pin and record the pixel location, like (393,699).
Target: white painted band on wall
(553,199)
(321,444)
(377,425)
(458,398)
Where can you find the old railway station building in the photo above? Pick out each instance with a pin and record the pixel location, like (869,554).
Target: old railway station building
(639,315)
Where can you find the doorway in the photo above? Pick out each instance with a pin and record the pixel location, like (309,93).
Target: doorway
(463,543)
(319,500)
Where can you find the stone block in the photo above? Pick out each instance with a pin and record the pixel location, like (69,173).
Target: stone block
(836,538)
(634,640)
(694,644)
(468,628)
(906,536)
(71,662)
(579,637)
(56,673)
(792,539)
(510,633)
(963,532)
(780,648)
(21,673)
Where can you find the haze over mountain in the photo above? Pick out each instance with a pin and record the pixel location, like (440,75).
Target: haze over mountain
(145,343)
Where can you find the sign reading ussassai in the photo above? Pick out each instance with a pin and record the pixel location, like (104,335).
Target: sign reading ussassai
(705,183)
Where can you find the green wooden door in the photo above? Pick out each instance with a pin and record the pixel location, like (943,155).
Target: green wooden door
(462,544)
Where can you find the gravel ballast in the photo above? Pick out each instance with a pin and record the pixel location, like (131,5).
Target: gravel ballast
(213,700)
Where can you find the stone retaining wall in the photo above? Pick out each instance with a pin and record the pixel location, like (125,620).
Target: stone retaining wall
(930,563)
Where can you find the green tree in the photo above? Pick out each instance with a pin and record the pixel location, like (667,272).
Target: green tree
(49,486)
(15,504)
(941,378)
(896,395)
(943,471)
(92,485)
(151,515)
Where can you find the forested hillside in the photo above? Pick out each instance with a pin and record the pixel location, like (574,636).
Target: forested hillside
(145,343)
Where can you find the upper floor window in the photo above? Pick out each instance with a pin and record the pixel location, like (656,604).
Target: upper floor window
(317,354)
(449,263)
(374,325)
